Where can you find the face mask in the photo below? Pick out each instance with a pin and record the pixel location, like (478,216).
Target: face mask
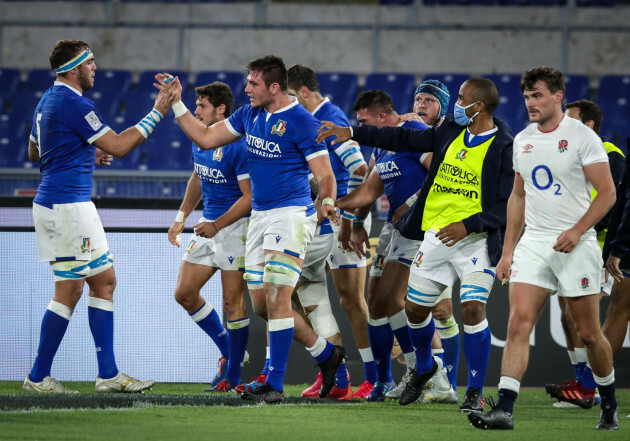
(460,114)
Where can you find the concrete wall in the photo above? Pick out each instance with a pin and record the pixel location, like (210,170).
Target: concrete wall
(327,37)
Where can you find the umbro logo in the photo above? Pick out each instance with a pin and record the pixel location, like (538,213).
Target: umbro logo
(231,259)
(474,260)
(473,373)
(278,238)
(395,248)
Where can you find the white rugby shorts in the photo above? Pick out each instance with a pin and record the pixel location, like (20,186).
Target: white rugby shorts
(573,274)
(339,258)
(226,250)
(68,231)
(287,229)
(382,250)
(314,268)
(401,249)
(446,265)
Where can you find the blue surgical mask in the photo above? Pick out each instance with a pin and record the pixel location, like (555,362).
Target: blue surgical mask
(460,114)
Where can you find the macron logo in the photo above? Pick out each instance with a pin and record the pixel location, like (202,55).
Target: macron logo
(395,248)
(231,259)
(278,239)
(474,260)
(473,373)
(449,367)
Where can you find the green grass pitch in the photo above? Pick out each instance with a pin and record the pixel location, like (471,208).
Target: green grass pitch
(183,412)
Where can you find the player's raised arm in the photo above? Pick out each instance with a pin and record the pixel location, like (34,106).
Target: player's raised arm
(206,138)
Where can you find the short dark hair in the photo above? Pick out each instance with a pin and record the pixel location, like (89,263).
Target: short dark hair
(374,100)
(485,90)
(553,78)
(64,51)
(589,111)
(217,93)
(300,75)
(272,69)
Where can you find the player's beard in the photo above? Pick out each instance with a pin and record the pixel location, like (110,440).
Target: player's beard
(85,80)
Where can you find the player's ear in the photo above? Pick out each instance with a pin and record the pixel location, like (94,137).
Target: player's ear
(220,109)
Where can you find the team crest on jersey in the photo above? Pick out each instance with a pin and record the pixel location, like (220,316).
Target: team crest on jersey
(418,258)
(85,246)
(562,146)
(527,148)
(279,128)
(461,155)
(379,261)
(584,282)
(217,155)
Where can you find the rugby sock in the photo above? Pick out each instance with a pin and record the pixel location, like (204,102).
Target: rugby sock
(438,353)
(606,386)
(398,323)
(574,363)
(582,358)
(265,370)
(370,371)
(101,319)
(321,350)
(208,320)
(477,350)
(508,392)
(448,330)
(341,381)
(238,331)
(280,337)
(54,325)
(587,378)
(381,342)
(421,337)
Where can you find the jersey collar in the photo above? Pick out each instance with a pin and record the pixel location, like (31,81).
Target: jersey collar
(61,83)
(326,100)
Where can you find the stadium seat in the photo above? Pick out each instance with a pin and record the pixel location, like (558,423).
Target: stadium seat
(112,81)
(13,151)
(170,149)
(577,87)
(40,80)
(137,104)
(612,87)
(147,78)
(10,80)
(452,81)
(399,86)
(236,81)
(341,88)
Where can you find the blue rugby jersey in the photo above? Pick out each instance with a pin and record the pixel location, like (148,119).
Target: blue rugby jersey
(65,125)
(327,111)
(279,145)
(219,171)
(402,173)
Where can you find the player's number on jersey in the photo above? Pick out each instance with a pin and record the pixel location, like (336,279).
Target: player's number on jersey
(39,142)
(544,170)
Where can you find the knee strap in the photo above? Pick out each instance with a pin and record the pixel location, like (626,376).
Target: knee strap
(280,269)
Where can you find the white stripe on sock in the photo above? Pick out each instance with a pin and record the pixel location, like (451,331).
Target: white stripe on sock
(281,324)
(204,312)
(476,328)
(61,310)
(509,383)
(105,305)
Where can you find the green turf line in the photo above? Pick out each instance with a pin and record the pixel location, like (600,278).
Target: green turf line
(9,402)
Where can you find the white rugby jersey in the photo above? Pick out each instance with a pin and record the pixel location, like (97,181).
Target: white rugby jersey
(557,192)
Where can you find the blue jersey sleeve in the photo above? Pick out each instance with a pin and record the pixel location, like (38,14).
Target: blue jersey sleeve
(87,121)
(236,121)
(307,136)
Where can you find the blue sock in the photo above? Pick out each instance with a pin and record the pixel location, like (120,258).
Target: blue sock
(370,370)
(421,337)
(265,370)
(451,358)
(326,353)
(208,320)
(101,319)
(341,381)
(576,370)
(580,368)
(439,353)
(381,342)
(280,337)
(52,331)
(587,379)
(238,331)
(477,350)
(398,323)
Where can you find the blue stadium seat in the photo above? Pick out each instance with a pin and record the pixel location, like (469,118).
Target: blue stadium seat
(112,81)
(452,81)
(236,80)
(10,80)
(511,107)
(147,78)
(577,87)
(399,86)
(13,151)
(14,125)
(507,84)
(40,80)
(170,149)
(341,88)
(612,87)
(138,103)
